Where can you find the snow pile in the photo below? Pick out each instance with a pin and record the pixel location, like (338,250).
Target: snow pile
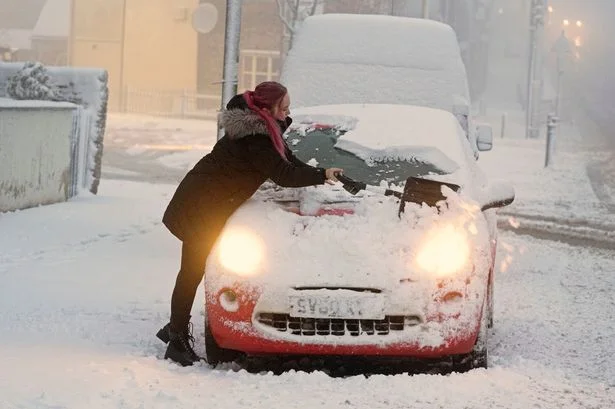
(376,59)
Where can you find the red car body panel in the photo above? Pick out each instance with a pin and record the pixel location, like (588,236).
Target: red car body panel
(235,331)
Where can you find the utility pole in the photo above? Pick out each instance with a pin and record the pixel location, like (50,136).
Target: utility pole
(231,54)
(425,8)
(534,71)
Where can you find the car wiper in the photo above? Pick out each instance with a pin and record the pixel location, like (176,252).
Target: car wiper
(416,190)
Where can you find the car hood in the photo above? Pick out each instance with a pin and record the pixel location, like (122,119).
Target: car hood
(337,243)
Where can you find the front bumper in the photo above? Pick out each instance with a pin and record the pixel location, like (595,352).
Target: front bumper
(434,330)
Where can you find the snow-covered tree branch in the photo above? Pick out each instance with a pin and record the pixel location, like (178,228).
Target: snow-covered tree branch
(292,12)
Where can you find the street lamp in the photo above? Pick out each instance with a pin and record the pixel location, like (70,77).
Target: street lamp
(579,23)
(566,22)
(563,50)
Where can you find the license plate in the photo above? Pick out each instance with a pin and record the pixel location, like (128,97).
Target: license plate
(362,307)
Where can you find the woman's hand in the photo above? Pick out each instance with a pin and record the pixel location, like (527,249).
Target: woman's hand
(331,175)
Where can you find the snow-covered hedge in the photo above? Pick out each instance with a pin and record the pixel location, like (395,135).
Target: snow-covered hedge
(35,167)
(86,87)
(31,82)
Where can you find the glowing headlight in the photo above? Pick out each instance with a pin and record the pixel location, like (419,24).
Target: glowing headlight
(241,251)
(445,251)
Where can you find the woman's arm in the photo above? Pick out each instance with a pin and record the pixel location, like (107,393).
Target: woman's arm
(292,158)
(291,173)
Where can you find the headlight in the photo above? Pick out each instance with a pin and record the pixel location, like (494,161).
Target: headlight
(241,251)
(444,251)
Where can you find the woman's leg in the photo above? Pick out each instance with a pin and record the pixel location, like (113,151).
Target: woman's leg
(192,270)
(178,332)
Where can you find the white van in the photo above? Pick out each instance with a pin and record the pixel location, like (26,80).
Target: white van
(379,59)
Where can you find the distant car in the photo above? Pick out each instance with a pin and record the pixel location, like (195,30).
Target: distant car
(318,271)
(351,59)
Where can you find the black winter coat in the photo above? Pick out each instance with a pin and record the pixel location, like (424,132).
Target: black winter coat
(230,174)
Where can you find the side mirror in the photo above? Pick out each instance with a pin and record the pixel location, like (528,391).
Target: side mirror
(484,139)
(498,194)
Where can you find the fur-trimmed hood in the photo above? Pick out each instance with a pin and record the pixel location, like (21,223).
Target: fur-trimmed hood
(239,123)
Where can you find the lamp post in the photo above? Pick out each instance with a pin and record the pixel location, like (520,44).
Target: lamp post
(231,54)
(563,50)
(534,70)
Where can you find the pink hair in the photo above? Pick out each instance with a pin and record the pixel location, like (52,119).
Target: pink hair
(268,94)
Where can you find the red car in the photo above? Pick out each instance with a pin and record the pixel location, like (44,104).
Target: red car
(319,271)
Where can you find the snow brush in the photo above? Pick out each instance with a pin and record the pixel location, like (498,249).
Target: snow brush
(416,190)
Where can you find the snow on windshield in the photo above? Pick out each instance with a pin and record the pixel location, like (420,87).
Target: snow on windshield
(410,61)
(391,132)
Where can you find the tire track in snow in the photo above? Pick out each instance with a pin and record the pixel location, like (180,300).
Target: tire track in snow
(574,232)
(66,251)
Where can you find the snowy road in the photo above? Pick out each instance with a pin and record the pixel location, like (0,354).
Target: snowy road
(86,284)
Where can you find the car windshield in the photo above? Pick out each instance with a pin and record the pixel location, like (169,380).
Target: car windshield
(319,144)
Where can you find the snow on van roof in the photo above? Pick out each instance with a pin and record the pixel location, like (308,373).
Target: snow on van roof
(385,131)
(340,59)
(399,41)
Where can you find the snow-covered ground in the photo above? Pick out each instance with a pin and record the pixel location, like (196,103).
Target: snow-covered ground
(86,284)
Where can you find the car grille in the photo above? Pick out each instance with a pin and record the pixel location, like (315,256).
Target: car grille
(336,327)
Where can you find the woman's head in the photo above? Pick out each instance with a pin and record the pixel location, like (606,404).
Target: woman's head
(271,102)
(273,97)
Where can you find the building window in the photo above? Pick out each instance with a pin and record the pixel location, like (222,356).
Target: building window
(257,66)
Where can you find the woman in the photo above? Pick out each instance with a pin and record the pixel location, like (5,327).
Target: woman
(251,151)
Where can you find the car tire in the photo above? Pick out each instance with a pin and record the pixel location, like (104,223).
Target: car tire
(479,357)
(490,304)
(480,353)
(214,354)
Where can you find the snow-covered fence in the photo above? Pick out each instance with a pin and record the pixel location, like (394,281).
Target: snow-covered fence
(86,87)
(35,153)
(176,104)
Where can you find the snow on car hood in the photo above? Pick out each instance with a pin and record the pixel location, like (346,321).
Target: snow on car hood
(372,247)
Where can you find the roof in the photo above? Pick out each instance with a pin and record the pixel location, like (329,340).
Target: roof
(16,39)
(376,39)
(20,14)
(375,59)
(54,19)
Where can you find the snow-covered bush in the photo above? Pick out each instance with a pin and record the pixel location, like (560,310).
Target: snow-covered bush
(32,81)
